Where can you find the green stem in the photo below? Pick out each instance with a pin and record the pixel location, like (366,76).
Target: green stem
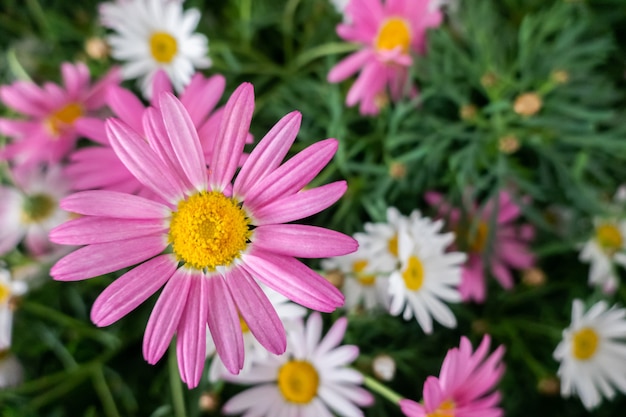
(176,386)
(381,389)
(102,388)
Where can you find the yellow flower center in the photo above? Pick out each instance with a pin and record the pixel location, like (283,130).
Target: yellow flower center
(585,343)
(394,33)
(609,237)
(209,230)
(364,279)
(5,292)
(413,275)
(446,409)
(163,47)
(244,325)
(392,245)
(64,117)
(477,239)
(298,381)
(37,208)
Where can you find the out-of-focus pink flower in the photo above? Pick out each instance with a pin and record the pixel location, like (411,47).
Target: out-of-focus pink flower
(465,386)
(99,168)
(488,236)
(390,33)
(50,128)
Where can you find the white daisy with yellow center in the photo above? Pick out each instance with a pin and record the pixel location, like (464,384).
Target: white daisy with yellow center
(362,284)
(604,251)
(311,379)
(427,275)
(9,289)
(593,353)
(152,35)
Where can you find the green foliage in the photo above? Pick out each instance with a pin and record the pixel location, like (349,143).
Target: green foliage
(451,137)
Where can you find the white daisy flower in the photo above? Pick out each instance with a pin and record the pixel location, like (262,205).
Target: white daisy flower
(593,353)
(31,209)
(9,289)
(362,285)
(605,250)
(152,35)
(382,240)
(11,372)
(312,378)
(288,313)
(427,274)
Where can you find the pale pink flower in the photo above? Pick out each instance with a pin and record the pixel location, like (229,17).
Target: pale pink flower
(218,237)
(49,132)
(312,378)
(488,236)
(390,33)
(98,167)
(29,209)
(465,386)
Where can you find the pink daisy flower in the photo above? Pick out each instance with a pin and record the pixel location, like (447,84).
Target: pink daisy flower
(465,387)
(98,167)
(49,131)
(218,237)
(390,32)
(505,248)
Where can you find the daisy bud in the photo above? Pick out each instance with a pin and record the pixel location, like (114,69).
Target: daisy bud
(384,367)
(336,278)
(508,144)
(527,104)
(468,111)
(533,277)
(397,170)
(97,48)
(489,79)
(480,326)
(549,386)
(560,76)
(209,401)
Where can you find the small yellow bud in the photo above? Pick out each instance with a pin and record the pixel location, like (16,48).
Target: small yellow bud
(397,170)
(560,76)
(209,401)
(336,278)
(467,111)
(533,277)
(480,326)
(508,144)
(96,48)
(549,386)
(527,104)
(489,79)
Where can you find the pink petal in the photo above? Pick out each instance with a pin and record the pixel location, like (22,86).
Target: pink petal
(333,337)
(224,325)
(294,174)
(202,95)
(166,315)
(97,94)
(90,230)
(303,241)
(231,137)
(92,128)
(473,286)
(515,254)
(432,393)
(191,338)
(268,154)
(185,141)
(257,311)
(142,162)
(126,106)
(160,83)
(131,289)
(93,260)
(294,280)
(113,204)
(502,274)
(24,97)
(412,409)
(300,205)
(349,65)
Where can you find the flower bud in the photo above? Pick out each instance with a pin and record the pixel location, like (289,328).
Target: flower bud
(527,104)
